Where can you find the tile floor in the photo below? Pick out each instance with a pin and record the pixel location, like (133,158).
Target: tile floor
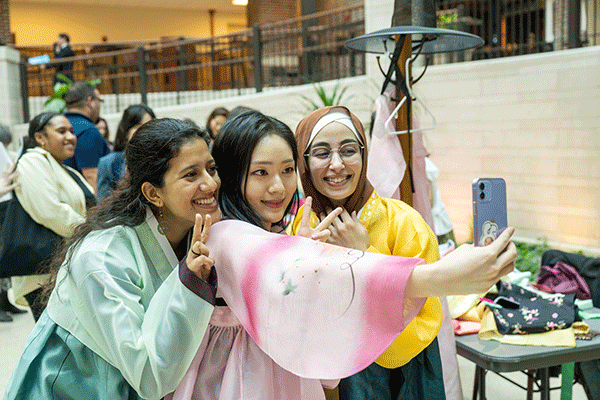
(14,334)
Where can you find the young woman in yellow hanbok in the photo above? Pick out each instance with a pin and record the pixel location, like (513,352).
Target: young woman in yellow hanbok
(332,168)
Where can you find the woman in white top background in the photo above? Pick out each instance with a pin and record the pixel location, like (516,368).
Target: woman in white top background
(49,191)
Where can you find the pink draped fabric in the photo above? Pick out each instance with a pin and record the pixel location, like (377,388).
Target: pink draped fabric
(318,310)
(385,154)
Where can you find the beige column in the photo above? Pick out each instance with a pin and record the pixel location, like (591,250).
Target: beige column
(11,108)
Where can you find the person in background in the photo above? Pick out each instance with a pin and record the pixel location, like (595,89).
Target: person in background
(111,167)
(125,317)
(102,126)
(193,123)
(54,195)
(55,48)
(215,120)
(83,110)
(64,50)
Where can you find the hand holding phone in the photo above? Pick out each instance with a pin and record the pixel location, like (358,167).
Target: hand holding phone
(489,209)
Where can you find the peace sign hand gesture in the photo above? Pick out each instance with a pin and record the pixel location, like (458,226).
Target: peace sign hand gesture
(197,259)
(320,233)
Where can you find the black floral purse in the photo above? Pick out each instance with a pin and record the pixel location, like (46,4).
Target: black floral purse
(520,311)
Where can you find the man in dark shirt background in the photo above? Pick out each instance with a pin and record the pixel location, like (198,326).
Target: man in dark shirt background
(83,110)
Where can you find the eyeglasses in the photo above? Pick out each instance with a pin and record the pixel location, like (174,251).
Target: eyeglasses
(350,153)
(99,99)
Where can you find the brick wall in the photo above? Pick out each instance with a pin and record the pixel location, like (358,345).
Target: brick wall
(265,11)
(326,5)
(533,120)
(5,35)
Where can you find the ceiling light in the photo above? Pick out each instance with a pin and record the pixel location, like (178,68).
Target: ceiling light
(239,2)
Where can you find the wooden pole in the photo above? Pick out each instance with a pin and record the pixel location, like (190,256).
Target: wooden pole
(403,123)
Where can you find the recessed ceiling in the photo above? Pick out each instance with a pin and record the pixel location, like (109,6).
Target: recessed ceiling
(217,5)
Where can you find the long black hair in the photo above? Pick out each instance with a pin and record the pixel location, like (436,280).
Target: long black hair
(131,117)
(148,156)
(232,151)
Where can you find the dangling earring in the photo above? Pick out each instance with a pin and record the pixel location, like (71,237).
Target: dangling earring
(163,226)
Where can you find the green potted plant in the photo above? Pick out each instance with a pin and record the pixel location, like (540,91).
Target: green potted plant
(325,99)
(56,102)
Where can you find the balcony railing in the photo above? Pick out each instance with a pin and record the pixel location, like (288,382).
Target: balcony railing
(517,27)
(178,71)
(298,51)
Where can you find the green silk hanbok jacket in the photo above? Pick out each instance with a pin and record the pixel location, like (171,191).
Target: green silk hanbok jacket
(124,321)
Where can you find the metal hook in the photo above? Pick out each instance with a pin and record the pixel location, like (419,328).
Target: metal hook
(394,114)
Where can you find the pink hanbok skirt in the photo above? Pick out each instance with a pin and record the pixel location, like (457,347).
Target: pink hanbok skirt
(230,366)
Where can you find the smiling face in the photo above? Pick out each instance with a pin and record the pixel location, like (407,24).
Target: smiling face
(272,181)
(191,185)
(57,138)
(335,178)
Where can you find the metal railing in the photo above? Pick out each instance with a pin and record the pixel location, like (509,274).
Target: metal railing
(179,71)
(297,51)
(516,27)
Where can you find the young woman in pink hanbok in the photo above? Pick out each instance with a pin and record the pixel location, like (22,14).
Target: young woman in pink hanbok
(293,314)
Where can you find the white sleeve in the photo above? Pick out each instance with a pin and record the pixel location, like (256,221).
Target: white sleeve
(39,196)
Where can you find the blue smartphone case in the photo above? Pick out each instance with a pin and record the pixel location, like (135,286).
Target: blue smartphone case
(489,209)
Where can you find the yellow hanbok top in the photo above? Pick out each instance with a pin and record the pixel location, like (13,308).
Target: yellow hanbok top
(397,229)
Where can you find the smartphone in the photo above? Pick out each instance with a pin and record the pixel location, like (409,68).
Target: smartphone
(507,303)
(489,209)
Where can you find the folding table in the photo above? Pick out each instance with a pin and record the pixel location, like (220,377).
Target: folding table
(499,357)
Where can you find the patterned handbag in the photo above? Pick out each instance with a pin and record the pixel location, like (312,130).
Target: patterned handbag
(523,311)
